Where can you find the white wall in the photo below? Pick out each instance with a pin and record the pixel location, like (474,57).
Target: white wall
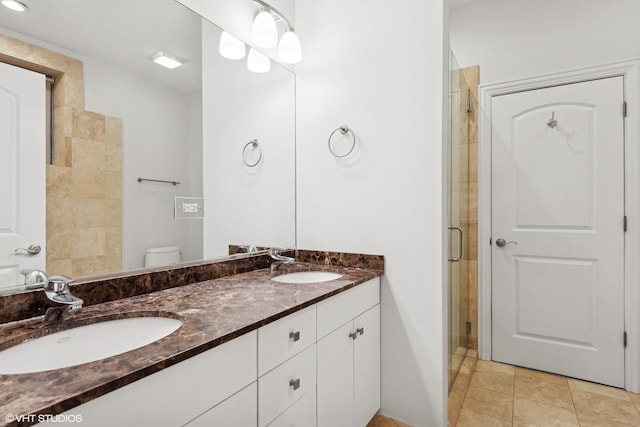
(194,138)
(155,145)
(246,205)
(517,39)
(379,68)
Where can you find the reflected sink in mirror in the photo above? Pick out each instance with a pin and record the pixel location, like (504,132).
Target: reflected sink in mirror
(84,344)
(307,277)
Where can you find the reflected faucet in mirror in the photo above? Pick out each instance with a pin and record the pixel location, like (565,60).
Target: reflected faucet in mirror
(279,259)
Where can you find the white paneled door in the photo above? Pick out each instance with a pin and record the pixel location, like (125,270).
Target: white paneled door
(22,172)
(558,230)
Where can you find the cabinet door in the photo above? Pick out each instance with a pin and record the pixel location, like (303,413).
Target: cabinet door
(335,378)
(366,365)
(240,410)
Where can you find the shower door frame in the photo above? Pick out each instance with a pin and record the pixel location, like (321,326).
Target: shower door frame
(630,70)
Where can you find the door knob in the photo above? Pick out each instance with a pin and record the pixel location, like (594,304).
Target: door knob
(31,250)
(502,243)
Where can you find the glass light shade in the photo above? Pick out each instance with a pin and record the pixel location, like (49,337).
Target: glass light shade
(231,47)
(15,5)
(257,62)
(264,32)
(289,50)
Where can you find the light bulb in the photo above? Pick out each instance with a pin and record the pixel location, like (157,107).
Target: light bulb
(264,32)
(257,62)
(231,47)
(289,50)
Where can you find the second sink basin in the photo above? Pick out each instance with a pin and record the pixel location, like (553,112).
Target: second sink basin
(84,344)
(307,277)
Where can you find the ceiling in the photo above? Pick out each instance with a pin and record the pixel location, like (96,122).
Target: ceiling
(121,32)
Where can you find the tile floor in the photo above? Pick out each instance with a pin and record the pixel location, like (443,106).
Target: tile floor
(504,395)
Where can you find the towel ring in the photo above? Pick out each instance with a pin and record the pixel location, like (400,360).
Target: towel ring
(256,145)
(344,129)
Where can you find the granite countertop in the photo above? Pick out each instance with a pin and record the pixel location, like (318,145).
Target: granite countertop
(212,312)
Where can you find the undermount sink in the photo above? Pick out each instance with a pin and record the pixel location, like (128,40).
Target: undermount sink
(84,344)
(307,277)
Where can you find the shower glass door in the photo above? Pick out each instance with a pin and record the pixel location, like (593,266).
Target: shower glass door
(458,204)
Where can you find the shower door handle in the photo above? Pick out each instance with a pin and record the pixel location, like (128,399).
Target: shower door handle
(461,253)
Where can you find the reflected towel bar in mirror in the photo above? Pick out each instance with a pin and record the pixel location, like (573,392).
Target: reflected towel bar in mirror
(159,180)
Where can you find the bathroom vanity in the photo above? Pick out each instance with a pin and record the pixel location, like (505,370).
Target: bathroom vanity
(250,351)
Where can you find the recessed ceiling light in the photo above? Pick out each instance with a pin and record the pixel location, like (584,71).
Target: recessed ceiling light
(165,60)
(15,5)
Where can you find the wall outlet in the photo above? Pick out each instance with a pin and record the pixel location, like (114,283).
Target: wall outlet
(189,208)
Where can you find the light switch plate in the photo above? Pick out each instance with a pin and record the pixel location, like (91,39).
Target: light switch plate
(189,208)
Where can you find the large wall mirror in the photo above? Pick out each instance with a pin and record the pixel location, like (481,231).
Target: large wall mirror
(116,116)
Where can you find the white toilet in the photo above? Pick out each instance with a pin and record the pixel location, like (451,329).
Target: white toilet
(162,256)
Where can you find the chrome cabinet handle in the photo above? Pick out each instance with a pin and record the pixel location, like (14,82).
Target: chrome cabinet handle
(502,243)
(295,336)
(461,255)
(295,383)
(360,331)
(31,250)
(353,335)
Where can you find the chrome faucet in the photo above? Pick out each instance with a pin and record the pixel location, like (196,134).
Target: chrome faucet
(279,259)
(57,290)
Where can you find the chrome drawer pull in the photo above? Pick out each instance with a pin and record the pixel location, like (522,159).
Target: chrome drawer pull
(295,383)
(360,331)
(295,336)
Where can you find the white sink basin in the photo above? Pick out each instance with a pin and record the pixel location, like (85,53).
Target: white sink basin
(84,344)
(307,277)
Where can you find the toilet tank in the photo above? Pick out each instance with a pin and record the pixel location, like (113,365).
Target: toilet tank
(162,256)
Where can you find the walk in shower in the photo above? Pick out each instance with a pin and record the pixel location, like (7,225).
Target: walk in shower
(462,205)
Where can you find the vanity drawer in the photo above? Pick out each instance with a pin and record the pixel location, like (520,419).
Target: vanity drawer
(338,310)
(284,338)
(286,384)
(300,414)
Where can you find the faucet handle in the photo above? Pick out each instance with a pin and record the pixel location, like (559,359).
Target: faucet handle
(34,279)
(58,283)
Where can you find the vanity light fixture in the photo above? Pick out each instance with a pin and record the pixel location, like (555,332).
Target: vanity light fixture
(166,61)
(230,47)
(15,5)
(264,32)
(257,62)
(266,35)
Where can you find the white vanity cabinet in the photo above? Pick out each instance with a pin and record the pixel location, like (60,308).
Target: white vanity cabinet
(348,383)
(179,394)
(317,366)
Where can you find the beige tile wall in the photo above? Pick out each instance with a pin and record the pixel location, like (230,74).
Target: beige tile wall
(84,183)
